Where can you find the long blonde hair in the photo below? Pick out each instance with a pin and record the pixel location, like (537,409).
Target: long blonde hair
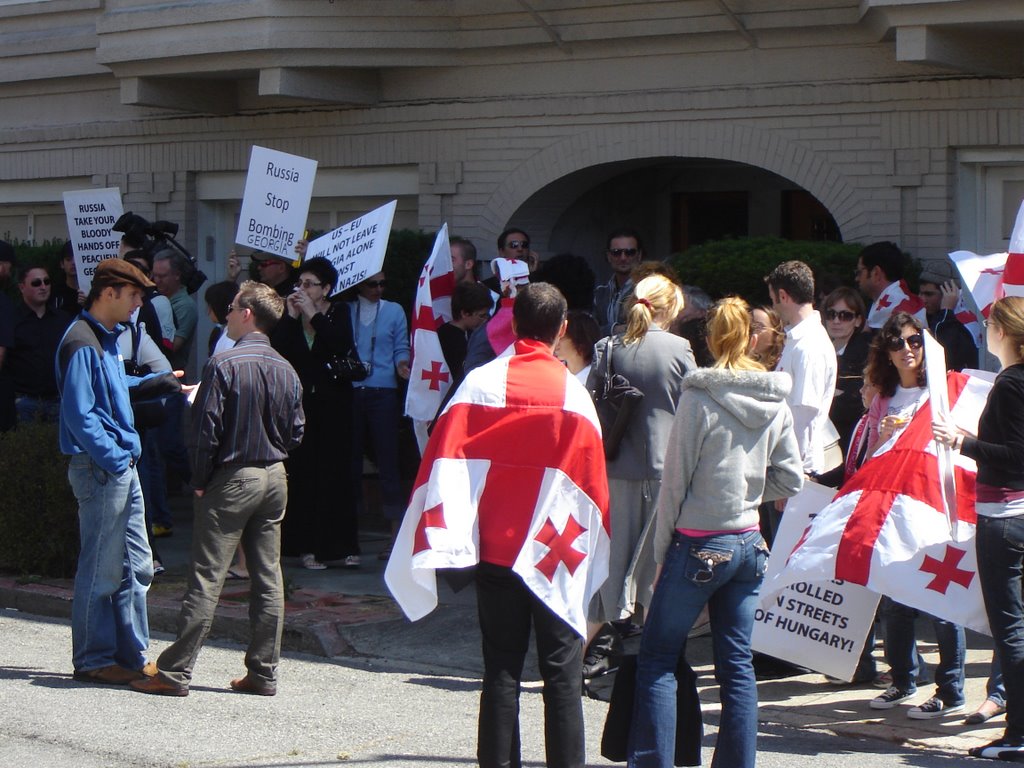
(729,335)
(656,299)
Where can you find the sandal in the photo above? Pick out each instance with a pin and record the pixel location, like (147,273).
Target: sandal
(310,563)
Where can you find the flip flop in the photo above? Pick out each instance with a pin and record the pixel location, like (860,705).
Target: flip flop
(236,576)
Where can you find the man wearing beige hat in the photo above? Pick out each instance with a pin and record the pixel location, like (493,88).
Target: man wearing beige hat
(109,624)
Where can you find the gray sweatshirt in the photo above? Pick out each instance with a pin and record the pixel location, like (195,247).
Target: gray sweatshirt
(731,446)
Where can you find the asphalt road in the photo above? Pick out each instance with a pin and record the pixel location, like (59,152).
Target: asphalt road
(327,712)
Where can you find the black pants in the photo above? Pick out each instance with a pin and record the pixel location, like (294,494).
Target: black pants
(506,608)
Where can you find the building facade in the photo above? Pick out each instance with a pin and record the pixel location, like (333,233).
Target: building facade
(860,120)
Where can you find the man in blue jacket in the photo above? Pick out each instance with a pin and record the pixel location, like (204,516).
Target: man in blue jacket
(109,625)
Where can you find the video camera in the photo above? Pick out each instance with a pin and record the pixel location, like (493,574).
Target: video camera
(140,233)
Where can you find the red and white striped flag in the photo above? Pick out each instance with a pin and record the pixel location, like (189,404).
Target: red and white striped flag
(896,298)
(429,376)
(989,278)
(887,528)
(517,448)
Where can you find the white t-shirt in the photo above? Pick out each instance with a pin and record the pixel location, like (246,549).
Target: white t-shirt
(810,360)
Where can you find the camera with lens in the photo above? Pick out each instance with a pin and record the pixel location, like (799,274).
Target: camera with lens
(148,236)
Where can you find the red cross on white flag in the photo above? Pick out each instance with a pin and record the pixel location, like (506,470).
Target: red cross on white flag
(886,528)
(513,473)
(429,377)
(895,298)
(991,277)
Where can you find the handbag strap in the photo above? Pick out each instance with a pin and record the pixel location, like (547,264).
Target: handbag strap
(608,371)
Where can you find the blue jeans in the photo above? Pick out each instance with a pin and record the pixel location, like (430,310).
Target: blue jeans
(724,572)
(109,624)
(375,412)
(901,653)
(1000,547)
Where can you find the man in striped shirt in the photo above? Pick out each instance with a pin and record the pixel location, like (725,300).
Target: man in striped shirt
(247,416)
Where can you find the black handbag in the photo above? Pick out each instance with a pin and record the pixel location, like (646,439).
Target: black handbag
(343,368)
(615,404)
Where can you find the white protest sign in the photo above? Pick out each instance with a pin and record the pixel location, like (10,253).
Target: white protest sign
(820,625)
(91,213)
(276,201)
(356,249)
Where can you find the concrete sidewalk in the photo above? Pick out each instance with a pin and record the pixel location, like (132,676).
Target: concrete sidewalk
(348,613)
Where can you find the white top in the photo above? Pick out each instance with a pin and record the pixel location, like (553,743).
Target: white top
(810,360)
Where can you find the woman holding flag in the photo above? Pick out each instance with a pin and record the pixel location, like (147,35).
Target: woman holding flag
(999,452)
(731,445)
(896,366)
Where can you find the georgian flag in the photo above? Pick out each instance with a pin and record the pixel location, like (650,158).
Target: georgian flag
(888,529)
(989,278)
(896,298)
(429,376)
(519,440)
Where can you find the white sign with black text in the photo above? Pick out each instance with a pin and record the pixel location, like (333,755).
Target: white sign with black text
(356,249)
(820,625)
(91,213)
(275,204)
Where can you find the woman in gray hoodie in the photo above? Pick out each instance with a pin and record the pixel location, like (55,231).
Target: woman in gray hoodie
(731,446)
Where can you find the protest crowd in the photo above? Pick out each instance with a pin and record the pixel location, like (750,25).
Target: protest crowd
(602,460)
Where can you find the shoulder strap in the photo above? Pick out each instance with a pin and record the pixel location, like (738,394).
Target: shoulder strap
(81,334)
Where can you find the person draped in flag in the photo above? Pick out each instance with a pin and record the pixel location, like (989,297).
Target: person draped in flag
(513,481)
(879,276)
(896,366)
(999,452)
(732,444)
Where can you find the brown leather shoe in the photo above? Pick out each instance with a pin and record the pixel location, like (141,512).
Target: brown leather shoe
(149,670)
(110,675)
(250,685)
(159,686)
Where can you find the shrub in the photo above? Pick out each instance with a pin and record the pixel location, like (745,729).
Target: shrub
(38,511)
(724,267)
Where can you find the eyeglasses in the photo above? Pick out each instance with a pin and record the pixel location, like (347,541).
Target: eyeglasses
(896,343)
(234,308)
(516,244)
(310,284)
(375,283)
(842,315)
(39,281)
(617,252)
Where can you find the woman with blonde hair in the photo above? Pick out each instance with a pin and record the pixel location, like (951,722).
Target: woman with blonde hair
(730,447)
(999,451)
(654,361)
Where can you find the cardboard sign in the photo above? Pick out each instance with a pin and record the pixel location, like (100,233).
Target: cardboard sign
(819,625)
(276,201)
(91,213)
(356,249)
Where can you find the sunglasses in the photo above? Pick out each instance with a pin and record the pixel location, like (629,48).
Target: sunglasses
(843,315)
(40,281)
(375,283)
(617,252)
(515,244)
(896,343)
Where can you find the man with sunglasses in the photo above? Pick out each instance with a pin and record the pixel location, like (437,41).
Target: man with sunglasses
(275,272)
(624,251)
(38,329)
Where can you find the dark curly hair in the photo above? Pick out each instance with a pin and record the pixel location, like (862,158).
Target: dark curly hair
(880,371)
(323,270)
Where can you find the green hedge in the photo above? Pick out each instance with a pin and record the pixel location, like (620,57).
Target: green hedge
(38,511)
(727,267)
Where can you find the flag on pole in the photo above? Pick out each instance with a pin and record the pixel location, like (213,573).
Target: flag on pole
(989,278)
(429,376)
(519,440)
